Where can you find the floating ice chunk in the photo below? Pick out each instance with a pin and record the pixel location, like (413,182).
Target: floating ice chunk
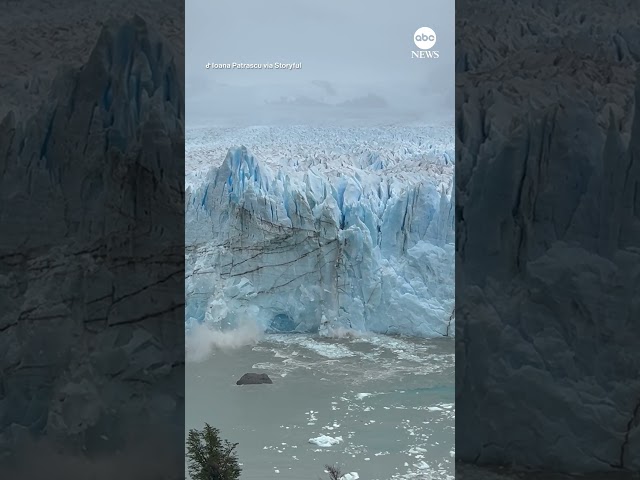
(415,450)
(325,441)
(350,476)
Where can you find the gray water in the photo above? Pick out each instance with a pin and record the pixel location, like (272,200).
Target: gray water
(390,399)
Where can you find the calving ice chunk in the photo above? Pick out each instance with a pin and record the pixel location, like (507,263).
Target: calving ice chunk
(324,230)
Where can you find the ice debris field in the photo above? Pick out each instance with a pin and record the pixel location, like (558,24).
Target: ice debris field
(339,429)
(379,406)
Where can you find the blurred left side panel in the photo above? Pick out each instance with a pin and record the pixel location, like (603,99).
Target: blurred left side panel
(91,240)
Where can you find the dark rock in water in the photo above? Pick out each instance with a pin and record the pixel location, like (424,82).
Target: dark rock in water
(254,379)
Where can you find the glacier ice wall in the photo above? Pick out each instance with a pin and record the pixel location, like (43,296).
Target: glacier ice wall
(91,355)
(324,237)
(548,230)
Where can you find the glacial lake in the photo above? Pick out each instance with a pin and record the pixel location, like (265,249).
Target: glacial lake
(388,402)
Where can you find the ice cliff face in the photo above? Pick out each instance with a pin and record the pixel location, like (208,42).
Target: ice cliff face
(91,194)
(70,33)
(326,228)
(548,229)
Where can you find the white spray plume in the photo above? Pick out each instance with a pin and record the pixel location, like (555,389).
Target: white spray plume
(329,330)
(202,340)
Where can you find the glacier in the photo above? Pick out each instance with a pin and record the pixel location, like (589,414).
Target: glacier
(548,264)
(321,229)
(91,254)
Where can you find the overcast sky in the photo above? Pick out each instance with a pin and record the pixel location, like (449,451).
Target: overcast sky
(355,52)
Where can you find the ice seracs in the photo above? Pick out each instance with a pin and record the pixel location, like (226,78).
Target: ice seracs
(326,229)
(549,221)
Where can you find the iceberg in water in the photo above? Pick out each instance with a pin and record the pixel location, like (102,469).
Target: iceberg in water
(325,441)
(323,230)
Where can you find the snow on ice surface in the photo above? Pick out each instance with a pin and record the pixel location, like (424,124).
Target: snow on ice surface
(321,229)
(299,146)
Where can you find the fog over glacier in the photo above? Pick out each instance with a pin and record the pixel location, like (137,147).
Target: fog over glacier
(355,56)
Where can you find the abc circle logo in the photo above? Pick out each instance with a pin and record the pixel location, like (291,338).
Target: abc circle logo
(424,38)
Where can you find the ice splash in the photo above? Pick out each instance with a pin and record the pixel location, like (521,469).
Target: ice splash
(201,340)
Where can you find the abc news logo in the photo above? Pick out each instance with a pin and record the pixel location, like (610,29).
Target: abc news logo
(425,39)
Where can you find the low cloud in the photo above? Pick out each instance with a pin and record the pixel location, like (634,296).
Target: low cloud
(369,101)
(326,87)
